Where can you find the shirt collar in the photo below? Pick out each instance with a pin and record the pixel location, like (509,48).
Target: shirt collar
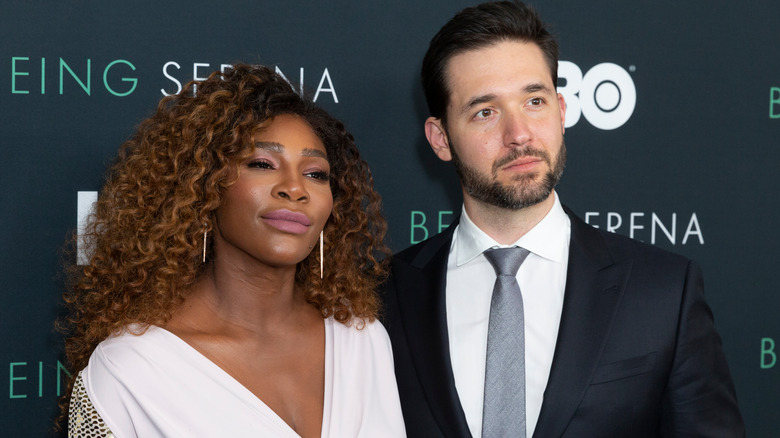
(548,239)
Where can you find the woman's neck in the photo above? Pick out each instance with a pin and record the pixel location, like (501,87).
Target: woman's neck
(232,299)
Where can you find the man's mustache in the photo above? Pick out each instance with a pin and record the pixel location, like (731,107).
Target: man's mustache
(519,152)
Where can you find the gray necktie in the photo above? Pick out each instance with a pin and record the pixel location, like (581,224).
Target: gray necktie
(504,406)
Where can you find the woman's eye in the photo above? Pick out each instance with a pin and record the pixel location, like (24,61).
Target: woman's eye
(260,164)
(319,175)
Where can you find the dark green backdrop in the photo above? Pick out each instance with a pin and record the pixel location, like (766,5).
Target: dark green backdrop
(692,167)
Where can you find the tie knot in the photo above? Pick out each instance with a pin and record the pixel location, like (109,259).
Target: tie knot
(506,261)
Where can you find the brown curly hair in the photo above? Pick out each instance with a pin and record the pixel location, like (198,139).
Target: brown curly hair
(146,233)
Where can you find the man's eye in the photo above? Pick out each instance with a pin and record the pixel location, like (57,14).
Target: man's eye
(487,112)
(536,101)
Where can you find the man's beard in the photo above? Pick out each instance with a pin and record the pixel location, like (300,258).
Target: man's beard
(523,192)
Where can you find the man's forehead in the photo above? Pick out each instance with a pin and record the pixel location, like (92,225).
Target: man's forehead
(514,64)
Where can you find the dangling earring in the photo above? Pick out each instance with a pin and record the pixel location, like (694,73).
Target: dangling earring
(322,253)
(204,245)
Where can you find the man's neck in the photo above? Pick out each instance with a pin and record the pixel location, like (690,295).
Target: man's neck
(504,225)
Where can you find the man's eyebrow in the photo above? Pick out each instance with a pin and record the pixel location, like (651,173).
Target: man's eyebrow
(530,88)
(476,101)
(272,146)
(536,87)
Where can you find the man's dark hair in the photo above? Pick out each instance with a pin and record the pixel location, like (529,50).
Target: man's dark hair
(475,28)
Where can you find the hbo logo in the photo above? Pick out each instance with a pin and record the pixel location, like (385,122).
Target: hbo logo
(606,95)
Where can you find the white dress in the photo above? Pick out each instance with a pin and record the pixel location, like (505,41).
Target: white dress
(157,385)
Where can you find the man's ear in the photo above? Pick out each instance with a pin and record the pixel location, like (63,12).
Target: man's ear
(562,107)
(437,137)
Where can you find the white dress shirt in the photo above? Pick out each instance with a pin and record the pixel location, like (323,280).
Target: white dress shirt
(470,280)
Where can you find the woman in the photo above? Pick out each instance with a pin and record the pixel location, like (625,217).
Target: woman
(205,310)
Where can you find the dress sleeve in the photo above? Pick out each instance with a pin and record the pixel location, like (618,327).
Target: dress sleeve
(83,419)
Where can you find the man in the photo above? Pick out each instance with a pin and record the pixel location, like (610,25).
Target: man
(615,338)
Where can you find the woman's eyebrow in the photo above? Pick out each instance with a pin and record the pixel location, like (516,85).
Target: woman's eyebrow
(272,146)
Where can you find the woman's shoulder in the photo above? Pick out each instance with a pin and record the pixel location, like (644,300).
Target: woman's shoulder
(130,354)
(359,328)
(361,337)
(132,342)
(121,368)
(363,381)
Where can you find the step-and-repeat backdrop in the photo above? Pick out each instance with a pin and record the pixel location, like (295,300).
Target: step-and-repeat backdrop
(673,137)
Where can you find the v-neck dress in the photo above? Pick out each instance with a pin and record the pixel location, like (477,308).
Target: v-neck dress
(157,385)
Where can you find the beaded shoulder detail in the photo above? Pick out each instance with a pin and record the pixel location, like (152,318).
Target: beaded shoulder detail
(83,419)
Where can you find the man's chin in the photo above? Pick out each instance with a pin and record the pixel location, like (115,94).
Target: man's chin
(529,200)
(525,178)
(512,199)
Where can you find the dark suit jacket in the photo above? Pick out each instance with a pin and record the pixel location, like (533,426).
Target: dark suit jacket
(637,352)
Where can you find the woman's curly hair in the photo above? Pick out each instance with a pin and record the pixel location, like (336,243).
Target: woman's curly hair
(145,236)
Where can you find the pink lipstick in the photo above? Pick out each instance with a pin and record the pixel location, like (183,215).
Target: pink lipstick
(287,221)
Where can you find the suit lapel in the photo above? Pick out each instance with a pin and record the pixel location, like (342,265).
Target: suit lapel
(594,288)
(423,312)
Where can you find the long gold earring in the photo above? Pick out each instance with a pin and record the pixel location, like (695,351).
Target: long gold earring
(322,254)
(204,246)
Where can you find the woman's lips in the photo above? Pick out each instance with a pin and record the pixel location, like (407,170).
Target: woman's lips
(287,221)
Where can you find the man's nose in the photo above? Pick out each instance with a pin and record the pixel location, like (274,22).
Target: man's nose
(516,128)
